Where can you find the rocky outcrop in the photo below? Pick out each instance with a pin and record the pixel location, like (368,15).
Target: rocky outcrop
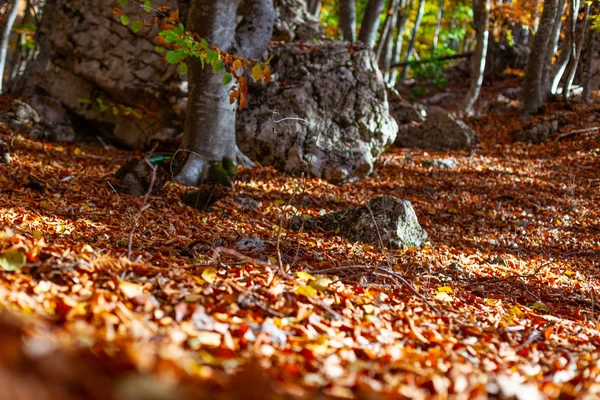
(295,23)
(95,57)
(325,112)
(386,219)
(440,130)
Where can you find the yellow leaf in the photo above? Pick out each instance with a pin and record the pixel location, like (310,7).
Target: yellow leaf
(237,64)
(445,289)
(45,205)
(307,291)
(37,234)
(321,284)
(130,289)
(569,272)
(538,305)
(305,276)
(210,274)
(199,280)
(273,260)
(12,260)
(443,296)
(77,151)
(257,72)
(280,202)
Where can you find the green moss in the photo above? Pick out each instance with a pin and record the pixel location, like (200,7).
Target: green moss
(219,173)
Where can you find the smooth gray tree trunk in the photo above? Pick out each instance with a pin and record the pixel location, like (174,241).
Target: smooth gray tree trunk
(413,39)
(438,26)
(209,135)
(314,7)
(10,21)
(401,21)
(478,62)
(553,47)
(370,24)
(348,19)
(576,54)
(533,89)
(387,34)
(388,49)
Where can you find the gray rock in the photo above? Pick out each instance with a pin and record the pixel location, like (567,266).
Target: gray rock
(250,244)
(295,23)
(440,131)
(41,117)
(402,111)
(384,219)
(4,152)
(325,112)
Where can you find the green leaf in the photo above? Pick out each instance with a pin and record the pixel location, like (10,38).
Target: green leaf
(173,57)
(123,3)
(211,55)
(115,110)
(84,101)
(147,6)
(159,50)
(125,20)
(12,260)
(227,78)
(204,44)
(217,66)
(183,69)
(136,26)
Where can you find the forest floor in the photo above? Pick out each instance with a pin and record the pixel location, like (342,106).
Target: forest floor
(116,291)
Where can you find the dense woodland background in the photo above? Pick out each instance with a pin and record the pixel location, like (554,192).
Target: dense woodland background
(271,199)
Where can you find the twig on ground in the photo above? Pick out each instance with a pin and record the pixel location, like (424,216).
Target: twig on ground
(534,335)
(495,280)
(576,132)
(143,208)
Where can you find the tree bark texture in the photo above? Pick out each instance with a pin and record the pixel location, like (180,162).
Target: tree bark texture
(533,86)
(209,144)
(478,62)
(589,65)
(438,25)
(553,46)
(348,19)
(370,24)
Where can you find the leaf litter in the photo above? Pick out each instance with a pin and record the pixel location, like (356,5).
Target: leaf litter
(229,302)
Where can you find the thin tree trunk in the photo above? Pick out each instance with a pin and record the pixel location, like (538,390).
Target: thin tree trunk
(576,55)
(438,26)
(553,46)
(10,21)
(589,65)
(478,64)
(314,7)
(536,23)
(370,25)
(533,86)
(348,19)
(387,33)
(401,21)
(389,45)
(209,136)
(413,39)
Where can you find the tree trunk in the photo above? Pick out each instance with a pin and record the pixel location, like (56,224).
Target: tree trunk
(589,65)
(576,54)
(478,62)
(314,7)
(438,26)
(387,34)
(533,86)
(10,21)
(370,25)
(413,39)
(401,21)
(348,19)
(553,46)
(209,136)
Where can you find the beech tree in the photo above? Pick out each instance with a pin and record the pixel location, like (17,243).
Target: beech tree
(370,25)
(209,136)
(533,88)
(348,19)
(481,13)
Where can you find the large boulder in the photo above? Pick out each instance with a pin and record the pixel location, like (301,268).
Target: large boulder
(383,220)
(440,130)
(100,66)
(325,112)
(295,23)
